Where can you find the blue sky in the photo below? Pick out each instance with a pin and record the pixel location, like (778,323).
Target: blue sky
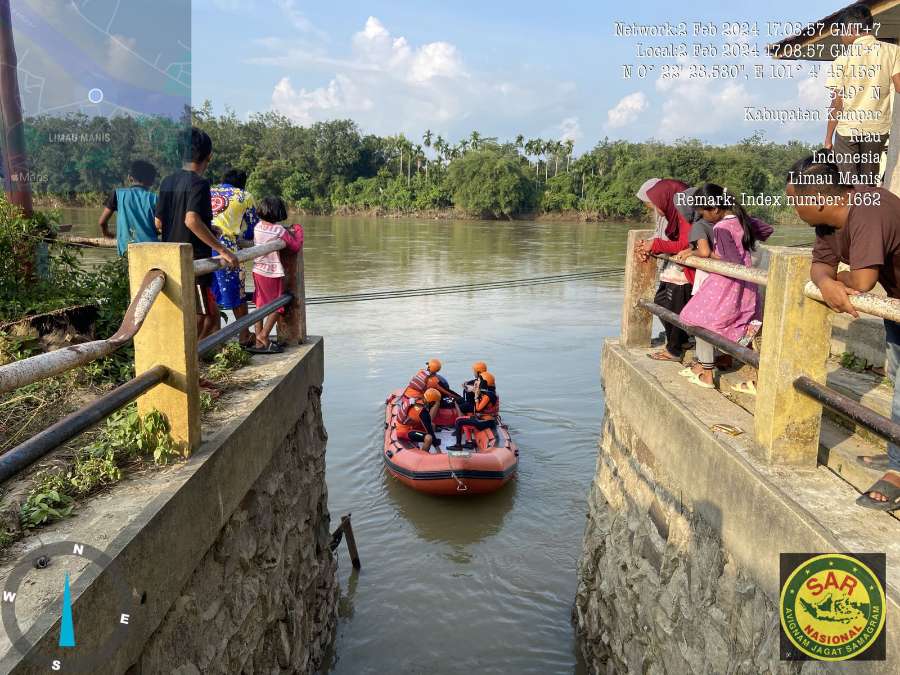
(502,67)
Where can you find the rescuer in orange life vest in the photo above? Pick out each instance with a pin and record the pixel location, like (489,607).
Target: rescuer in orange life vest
(414,420)
(487,407)
(467,405)
(428,378)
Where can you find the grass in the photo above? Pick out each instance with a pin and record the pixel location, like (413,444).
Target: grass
(104,455)
(229,358)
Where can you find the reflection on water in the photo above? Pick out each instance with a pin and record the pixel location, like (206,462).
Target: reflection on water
(451,586)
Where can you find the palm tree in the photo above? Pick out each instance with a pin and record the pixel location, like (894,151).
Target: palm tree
(440,145)
(520,141)
(546,146)
(533,149)
(475,139)
(419,156)
(570,147)
(426,139)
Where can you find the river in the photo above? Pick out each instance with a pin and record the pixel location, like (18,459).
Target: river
(454,585)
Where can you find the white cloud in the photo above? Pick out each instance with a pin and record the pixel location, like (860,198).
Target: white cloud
(700,105)
(297,19)
(627,110)
(388,84)
(570,130)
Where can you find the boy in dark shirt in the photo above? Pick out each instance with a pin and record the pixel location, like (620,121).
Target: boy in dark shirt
(136,207)
(859,227)
(184,215)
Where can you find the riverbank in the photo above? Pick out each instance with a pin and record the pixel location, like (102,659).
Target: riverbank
(785,219)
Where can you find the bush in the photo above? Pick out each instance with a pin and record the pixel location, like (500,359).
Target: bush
(559,194)
(492,182)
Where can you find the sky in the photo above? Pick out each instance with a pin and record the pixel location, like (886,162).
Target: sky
(547,69)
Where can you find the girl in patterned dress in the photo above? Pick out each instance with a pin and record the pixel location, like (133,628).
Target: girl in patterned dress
(723,305)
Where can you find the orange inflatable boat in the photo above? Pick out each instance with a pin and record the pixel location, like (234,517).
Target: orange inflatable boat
(466,472)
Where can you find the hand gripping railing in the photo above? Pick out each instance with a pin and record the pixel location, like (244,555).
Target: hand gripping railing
(27,371)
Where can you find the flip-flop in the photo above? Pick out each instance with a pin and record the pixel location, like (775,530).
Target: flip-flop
(700,383)
(272,348)
(877,462)
(663,356)
(745,388)
(888,489)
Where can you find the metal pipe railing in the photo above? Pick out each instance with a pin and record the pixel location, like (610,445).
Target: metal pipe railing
(24,455)
(752,274)
(222,336)
(26,371)
(869,303)
(208,265)
(871,420)
(741,353)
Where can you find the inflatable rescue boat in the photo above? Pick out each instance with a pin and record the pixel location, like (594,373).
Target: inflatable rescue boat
(486,468)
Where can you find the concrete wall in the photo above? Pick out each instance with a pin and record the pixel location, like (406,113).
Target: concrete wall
(228,553)
(679,568)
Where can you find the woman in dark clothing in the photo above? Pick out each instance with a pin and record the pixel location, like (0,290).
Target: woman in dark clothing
(672,236)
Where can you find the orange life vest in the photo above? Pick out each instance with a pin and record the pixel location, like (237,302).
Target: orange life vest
(488,410)
(409,416)
(417,385)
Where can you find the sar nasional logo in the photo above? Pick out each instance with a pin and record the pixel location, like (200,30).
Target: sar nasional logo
(832,606)
(54,571)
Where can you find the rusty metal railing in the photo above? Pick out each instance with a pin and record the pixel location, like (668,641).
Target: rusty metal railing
(27,371)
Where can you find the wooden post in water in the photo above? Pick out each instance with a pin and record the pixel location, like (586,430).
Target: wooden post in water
(351,541)
(15,158)
(640,283)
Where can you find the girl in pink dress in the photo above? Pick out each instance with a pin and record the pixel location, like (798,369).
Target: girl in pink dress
(723,305)
(268,272)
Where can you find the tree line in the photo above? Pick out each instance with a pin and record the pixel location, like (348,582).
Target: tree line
(333,167)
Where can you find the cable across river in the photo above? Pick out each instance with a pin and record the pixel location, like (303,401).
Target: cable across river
(466,288)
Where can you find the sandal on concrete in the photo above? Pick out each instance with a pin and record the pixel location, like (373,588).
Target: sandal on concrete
(877,462)
(271,348)
(889,488)
(745,388)
(663,355)
(700,383)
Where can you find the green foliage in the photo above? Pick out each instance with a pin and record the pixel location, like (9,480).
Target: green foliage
(15,347)
(851,361)
(332,166)
(559,194)
(228,359)
(124,439)
(45,507)
(491,183)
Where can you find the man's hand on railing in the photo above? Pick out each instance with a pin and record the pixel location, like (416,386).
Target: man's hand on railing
(681,256)
(837,296)
(228,257)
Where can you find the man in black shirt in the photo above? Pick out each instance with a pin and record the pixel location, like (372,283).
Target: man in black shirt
(184,215)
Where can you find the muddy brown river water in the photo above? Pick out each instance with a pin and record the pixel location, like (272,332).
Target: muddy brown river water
(458,585)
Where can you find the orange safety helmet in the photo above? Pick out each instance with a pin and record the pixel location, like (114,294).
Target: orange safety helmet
(432,395)
(434,365)
(479,367)
(488,379)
